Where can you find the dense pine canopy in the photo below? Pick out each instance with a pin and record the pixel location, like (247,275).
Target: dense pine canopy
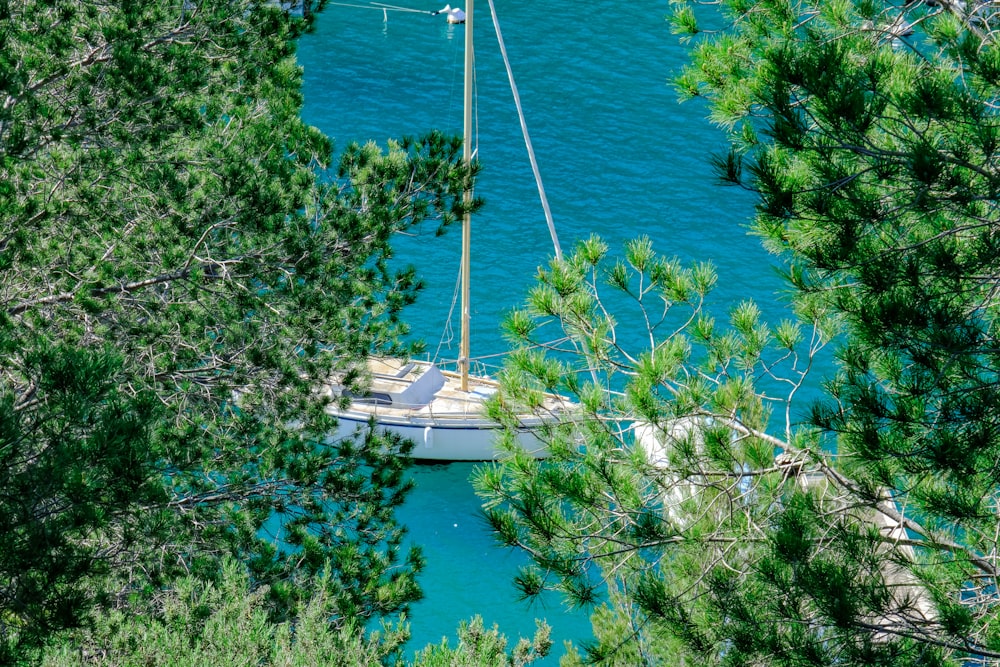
(182,263)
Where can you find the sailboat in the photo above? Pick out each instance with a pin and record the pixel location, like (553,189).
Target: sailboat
(442,411)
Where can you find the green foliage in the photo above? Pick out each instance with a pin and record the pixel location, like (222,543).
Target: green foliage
(76,471)
(478,647)
(700,537)
(647,498)
(872,152)
(226,624)
(161,197)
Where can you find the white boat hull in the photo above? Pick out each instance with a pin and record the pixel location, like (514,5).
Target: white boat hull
(434,441)
(419,402)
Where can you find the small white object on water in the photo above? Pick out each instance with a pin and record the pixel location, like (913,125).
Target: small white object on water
(455,15)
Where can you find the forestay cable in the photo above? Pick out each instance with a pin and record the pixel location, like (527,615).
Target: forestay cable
(524,131)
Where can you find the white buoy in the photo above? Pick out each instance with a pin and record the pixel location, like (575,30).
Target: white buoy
(455,15)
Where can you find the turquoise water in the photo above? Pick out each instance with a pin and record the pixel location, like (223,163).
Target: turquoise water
(618,157)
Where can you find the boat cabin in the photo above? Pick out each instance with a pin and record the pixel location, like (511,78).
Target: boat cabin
(412,384)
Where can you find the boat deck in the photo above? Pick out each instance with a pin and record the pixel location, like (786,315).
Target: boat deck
(388,377)
(449,402)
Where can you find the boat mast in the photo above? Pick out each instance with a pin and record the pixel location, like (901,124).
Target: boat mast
(463,358)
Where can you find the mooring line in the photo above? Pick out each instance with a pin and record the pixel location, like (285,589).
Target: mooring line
(383,7)
(403,9)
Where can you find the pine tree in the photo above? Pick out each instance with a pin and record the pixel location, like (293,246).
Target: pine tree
(869,132)
(162,198)
(869,535)
(77,469)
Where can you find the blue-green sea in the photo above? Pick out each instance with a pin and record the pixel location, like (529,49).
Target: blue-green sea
(619,157)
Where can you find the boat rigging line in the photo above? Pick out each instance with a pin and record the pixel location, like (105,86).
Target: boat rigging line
(524,131)
(513,89)
(382,7)
(403,9)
